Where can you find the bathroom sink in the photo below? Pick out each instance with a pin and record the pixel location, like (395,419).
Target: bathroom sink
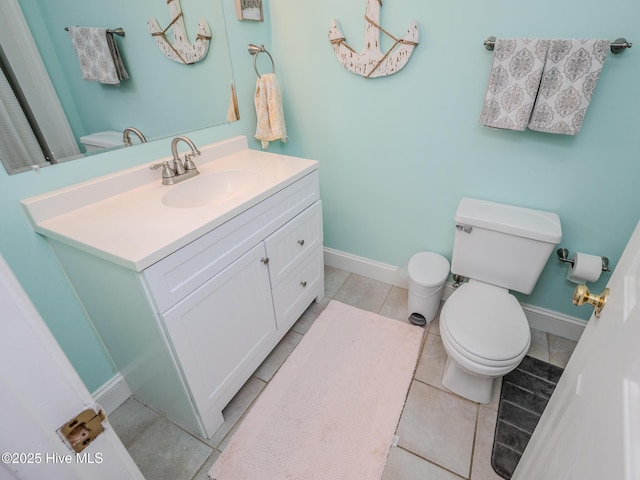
(210,188)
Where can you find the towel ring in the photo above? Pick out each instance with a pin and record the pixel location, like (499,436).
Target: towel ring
(255,50)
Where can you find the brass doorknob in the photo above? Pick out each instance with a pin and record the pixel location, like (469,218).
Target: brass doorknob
(582,295)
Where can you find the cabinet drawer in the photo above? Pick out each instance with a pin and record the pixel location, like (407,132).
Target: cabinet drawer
(184,270)
(296,292)
(293,242)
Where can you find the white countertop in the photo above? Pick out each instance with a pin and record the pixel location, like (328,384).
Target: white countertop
(121,217)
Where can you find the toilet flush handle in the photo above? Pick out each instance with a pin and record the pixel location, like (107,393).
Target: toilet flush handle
(464,228)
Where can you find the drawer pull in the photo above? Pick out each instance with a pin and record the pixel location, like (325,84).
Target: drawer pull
(303,283)
(301,242)
(265,260)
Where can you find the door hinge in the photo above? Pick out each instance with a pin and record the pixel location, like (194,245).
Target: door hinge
(80,431)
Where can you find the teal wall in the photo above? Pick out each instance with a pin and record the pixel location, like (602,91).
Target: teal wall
(396,153)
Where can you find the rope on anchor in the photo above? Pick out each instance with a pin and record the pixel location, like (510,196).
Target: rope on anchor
(163,32)
(341,41)
(396,40)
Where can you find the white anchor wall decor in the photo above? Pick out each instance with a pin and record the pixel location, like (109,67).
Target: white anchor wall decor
(371,62)
(180,50)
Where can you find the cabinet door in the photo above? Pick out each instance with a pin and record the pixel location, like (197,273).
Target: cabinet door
(223,330)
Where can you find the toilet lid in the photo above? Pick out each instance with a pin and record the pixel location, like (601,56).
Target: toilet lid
(486,321)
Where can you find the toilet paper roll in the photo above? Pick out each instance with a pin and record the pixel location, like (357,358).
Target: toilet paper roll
(585,268)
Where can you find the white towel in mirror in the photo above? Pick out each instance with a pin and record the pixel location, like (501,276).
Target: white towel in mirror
(571,72)
(98,55)
(513,82)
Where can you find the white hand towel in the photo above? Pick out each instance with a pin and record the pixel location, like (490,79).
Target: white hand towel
(268,101)
(570,76)
(513,82)
(98,55)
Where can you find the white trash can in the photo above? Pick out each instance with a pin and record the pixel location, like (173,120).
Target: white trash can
(428,271)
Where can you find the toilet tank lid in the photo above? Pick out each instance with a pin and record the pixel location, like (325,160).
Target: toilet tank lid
(108,138)
(523,222)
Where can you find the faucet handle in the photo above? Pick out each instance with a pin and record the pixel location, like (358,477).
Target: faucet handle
(167,171)
(188,163)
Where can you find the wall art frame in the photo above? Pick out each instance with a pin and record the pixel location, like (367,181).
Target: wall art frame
(249,10)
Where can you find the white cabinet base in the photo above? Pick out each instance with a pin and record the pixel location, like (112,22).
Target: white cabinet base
(188,331)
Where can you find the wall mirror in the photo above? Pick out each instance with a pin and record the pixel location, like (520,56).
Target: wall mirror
(161,98)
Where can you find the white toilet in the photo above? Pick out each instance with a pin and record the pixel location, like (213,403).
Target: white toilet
(101,140)
(483,327)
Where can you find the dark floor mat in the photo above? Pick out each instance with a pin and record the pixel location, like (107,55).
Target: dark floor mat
(525,393)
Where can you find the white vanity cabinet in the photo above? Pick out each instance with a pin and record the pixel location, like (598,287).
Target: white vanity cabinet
(189,330)
(189,301)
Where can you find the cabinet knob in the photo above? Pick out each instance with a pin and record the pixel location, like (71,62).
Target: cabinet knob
(265,260)
(303,283)
(301,242)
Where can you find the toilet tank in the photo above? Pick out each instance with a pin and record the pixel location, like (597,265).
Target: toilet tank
(503,245)
(101,140)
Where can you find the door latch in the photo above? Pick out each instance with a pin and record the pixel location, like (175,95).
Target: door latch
(582,295)
(80,431)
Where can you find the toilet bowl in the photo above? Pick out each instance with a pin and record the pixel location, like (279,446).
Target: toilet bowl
(485,334)
(484,330)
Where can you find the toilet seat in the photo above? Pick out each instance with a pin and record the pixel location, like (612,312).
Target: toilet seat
(486,325)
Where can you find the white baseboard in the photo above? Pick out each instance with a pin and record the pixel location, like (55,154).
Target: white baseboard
(112,394)
(542,319)
(367,268)
(553,322)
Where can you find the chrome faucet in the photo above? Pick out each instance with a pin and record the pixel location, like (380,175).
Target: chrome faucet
(126,138)
(180,170)
(188,164)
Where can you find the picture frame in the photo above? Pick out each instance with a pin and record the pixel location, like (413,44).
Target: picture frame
(249,10)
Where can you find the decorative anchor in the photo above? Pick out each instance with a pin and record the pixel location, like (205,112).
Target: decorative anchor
(371,62)
(180,50)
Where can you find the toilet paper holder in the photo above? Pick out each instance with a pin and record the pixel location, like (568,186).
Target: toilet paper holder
(563,256)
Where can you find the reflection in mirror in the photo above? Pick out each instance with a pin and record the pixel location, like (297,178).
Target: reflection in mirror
(160,98)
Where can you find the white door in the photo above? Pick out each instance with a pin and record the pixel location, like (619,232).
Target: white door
(590,429)
(39,392)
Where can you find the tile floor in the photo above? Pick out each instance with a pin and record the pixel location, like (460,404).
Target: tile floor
(441,436)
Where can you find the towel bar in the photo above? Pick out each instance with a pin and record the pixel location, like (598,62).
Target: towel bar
(617,46)
(117,31)
(255,50)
